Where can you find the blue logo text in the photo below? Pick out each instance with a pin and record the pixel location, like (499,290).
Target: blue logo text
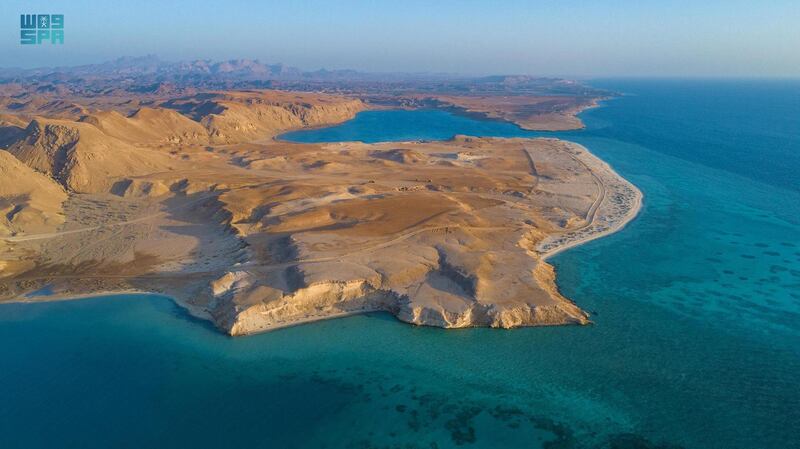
(37,28)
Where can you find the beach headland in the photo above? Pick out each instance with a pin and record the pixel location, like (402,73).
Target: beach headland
(256,234)
(529,112)
(618,203)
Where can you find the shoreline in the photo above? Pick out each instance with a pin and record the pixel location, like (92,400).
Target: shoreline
(61,297)
(453,109)
(310,320)
(572,112)
(615,223)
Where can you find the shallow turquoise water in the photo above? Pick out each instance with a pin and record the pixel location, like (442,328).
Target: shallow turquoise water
(696,342)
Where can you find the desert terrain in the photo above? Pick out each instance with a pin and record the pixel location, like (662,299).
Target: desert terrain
(194,196)
(537,113)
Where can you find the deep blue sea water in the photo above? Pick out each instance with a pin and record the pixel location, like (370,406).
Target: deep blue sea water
(696,342)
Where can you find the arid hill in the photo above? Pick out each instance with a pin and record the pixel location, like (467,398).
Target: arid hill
(149,126)
(237,117)
(81,157)
(30,201)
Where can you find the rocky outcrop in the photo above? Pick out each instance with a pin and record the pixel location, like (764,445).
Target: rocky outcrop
(234,117)
(135,188)
(245,304)
(488,315)
(237,122)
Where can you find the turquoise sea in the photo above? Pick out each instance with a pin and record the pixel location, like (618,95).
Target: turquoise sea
(696,304)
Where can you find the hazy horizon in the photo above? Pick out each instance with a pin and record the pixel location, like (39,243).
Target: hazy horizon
(794,77)
(622,38)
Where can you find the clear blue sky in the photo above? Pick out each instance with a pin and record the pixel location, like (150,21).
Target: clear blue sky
(558,37)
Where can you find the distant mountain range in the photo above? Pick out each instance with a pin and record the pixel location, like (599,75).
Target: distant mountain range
(152,65)
(151,75)
(233,69)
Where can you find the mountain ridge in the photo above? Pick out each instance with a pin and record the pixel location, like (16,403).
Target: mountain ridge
(151,75)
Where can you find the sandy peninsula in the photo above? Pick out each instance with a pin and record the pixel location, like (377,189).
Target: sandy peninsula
(194,198)
(531,112)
